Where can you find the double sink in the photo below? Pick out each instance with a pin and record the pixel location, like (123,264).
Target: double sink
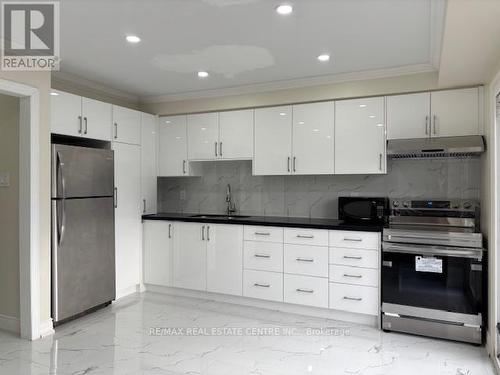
(219,216)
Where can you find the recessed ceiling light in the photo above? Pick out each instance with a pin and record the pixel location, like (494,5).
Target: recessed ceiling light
(54,93)
(284,9)
(203,74)
(282,114)
(324,57)
(133,39)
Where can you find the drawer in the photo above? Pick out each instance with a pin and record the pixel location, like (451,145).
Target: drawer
(306,260)
(354,275)
(267,234)
(263,256)
(354,298)
(355,240)
(306,290)
(317,237)
(263,285)
(354,257)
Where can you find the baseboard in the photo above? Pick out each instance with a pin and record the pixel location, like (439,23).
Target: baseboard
(10,324)
(130,290)
(46,328)
(344,316)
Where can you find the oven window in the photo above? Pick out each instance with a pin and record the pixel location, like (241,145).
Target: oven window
(443,283)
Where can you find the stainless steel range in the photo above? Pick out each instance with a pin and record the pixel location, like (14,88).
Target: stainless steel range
(432,269)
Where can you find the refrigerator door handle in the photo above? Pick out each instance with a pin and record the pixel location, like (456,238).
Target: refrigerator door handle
(63,221)
(115,197)
(60,172)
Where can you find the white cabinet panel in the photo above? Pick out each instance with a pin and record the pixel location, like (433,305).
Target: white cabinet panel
(236,134)
(263,256)
(360,136)
(354,257)
(128,228)
(126,125)
(66,114)
(97,119)
(408,116)
(203,136)
(149,170)
(354,275)
(225,258)
(172,147)
(262,233)
(263,285)
(313,138)
(157,237)
(273,141)
(190,256)
(354,298)
(305,236)
(355,240)
(306,260)
(455,112)
(306,290)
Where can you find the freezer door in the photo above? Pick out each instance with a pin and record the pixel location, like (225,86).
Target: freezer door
(83,255)
(81,172)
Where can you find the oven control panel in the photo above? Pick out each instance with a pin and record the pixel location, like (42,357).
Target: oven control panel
(429,204)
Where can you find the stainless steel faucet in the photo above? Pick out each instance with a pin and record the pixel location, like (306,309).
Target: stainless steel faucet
(231,208)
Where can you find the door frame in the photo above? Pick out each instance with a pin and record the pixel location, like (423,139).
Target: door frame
(29,205)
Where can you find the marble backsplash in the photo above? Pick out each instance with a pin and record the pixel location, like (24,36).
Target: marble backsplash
(314,196)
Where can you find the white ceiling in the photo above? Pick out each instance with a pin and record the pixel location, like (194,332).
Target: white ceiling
(243,42)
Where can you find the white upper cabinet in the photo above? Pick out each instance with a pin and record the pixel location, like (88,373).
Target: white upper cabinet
(273,141)
(149,169)
(455,112)
(126,125)
(172,147)
(236,134)
(97,118)
(313,138)
(203,136)
(408,116)
(360,136)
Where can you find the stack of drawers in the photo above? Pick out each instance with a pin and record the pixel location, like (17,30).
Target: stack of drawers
(354,271)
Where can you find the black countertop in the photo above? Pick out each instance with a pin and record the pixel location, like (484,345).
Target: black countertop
(277,221)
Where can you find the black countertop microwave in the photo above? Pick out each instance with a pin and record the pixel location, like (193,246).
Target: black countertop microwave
(368,210)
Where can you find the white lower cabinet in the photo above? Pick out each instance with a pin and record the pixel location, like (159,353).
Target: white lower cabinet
(263,256)
(158,247)
(306,260)
(354,275)
(306,290)
(354,298)
(263,285)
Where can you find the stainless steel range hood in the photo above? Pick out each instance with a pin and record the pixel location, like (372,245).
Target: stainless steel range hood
(435,147)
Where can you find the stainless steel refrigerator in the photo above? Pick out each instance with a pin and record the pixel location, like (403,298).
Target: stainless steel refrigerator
(83,233)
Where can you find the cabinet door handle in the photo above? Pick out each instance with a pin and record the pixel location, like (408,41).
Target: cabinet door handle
(353,298)
(80,125)
(215,148)
(262,285)
(353,239)
(144,206)
(116,130)
(426,125)
(184,167)
(86,125)
(380,161)
(169,230)
(294,162)
(351,257)
(262,256)
(353,276)
(288,164)
(434,130)
(262,233)
(300,290)
(203,233)
(208,232)
(305,236)
(220,148)
(116,197)
(309,260)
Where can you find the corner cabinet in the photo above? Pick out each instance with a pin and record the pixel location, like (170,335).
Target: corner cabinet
(360,136)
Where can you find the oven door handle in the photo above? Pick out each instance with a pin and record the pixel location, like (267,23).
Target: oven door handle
(432,251)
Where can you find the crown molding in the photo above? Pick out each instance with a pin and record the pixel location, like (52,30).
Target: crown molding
(292,84)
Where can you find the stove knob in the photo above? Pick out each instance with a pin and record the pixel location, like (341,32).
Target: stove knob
(467,205)
(455,206)
(406,204)
(395,204)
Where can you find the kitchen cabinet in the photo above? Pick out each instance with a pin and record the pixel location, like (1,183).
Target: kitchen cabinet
(236,134)
(149,166)
(158,247)
(203,136)
(360,136)
(128,228)
(172,147)
(126,125)
(408,116)
(224,258)
(189,269)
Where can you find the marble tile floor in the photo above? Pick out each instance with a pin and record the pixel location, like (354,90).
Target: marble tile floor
(157,334)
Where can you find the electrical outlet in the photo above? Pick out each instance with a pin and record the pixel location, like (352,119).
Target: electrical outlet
(183,195)
(4,179)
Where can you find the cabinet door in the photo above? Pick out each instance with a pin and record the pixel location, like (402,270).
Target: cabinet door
(66,114)
(455,112)
(225,258)
(97,119)
(190,256)
(408,116)
(203,136)
(149,170)
(172,146)
(126,125)
(128,228)
(313,138)
(236,134)
(359,137)
(157,237)
(273,141)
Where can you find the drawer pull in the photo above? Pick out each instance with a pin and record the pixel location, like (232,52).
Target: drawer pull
(262,256)
(351,257)
(353,298)
(304,260)
(305,236)
(353,239)
(304,290)
(262,233)
(353,276)
(262,285)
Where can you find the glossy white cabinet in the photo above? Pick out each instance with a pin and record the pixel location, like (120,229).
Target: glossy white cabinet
(354,298)
(189,268)
(306,260)
(126,125)
(408,116)
(149,166)
(263,285)
(172,147)
(273,141)
(263,256)
(128,228)
(97,117)
(158,247)
(236,134)
(360,136)
(306,290)
(203,136)
(313,150)
(224,258)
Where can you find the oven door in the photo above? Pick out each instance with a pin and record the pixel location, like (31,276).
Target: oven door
(432,277)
